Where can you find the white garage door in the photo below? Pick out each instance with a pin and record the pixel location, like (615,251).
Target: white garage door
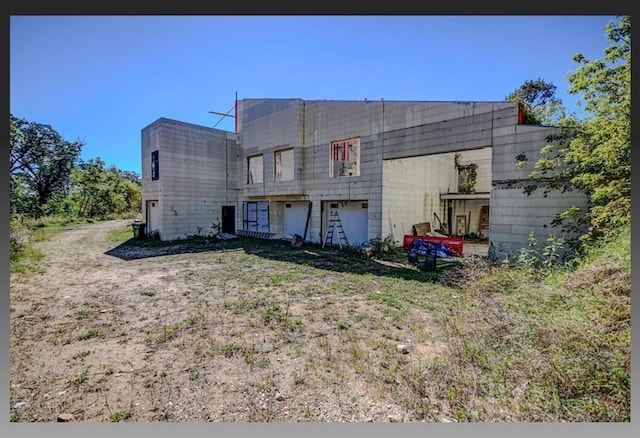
(295,218)
(354,216)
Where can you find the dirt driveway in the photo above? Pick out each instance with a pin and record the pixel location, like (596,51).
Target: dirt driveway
(109,332)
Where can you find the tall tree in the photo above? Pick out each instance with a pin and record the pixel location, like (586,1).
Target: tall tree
(41,161)
(539,101)
(99,191)
(594,154)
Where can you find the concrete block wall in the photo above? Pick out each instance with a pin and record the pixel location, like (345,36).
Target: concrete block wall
(195,178)
(151,190)
(265,124)
(268,125)
(509,142)
(269,186)
(514,215)
(327,121)
(367,186)
(150,138)
(455,135)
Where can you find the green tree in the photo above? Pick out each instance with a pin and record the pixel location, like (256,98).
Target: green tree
(539,101)
(40,165)
(99,191)
(594,154)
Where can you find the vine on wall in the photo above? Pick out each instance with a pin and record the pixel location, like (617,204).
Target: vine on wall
(469,173)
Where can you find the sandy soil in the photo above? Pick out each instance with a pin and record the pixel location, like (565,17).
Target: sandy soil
(96,337)
(108,332)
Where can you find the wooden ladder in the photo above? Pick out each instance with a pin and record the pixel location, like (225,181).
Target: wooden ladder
(335,222)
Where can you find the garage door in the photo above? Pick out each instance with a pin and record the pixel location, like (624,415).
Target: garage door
(295,218)
(354,216)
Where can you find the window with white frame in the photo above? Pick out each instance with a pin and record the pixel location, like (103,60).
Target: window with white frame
(345,158)
(283,162)
(254,170)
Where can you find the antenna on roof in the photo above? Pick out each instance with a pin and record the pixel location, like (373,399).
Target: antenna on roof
(228,113)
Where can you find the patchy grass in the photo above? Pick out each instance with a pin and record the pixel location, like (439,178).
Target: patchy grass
(91,333)
(120,416)
(148,293)
(527,349)
(249,330)
(121,234)
(27,260)
(168,332)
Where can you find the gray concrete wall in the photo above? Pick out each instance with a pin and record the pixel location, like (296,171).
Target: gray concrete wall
(453,135)
(327,121)
(202,169)
(267,126)
(198,175)
(513,214)
(151,190)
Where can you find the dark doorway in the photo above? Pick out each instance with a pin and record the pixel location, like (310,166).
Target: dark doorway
(229,219)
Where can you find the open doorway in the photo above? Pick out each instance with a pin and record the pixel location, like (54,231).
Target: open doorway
(229,219)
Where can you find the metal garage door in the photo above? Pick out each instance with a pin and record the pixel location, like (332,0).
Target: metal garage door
(294,218)
(354,216)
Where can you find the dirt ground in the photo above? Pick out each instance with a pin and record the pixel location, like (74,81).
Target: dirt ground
(106,332)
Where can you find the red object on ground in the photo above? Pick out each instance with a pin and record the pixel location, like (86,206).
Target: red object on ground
(454,243)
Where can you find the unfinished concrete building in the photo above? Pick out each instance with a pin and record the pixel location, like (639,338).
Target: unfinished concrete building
(383,166)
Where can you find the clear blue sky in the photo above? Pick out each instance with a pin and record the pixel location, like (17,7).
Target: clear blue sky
(101,79)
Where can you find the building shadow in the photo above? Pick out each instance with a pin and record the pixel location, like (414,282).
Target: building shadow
(329,258)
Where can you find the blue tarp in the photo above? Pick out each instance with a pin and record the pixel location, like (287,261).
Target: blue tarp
(425,247)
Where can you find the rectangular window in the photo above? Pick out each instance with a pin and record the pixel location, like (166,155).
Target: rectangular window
(255,216)
(155,166)
(345,158)
(283,165)
(255,173)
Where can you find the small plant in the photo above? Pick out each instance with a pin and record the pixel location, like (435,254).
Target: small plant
(298,378)
(194,375)
(91,333)
(81,354)
(168,332)
(120,416)
(81,378)
(216,227)
(148,293)
(193,319)
(386,246)
(83,314)
(229,350)
(164,415)
(548,257)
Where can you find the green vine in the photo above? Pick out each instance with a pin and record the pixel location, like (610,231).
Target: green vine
(470,172)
